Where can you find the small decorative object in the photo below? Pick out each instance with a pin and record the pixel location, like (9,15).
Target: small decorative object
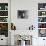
(39,19)
(6,7)
(41,8)
(42,19)
(3,13)
(43,39)
(0,7)
(13,27)
(41,25)
(43,13)
(42,32)
(45,7)
(3,19)
(4,29)
(31,27)
(3,26)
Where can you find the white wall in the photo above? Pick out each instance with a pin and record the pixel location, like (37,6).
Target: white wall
(23,24)
(32,7)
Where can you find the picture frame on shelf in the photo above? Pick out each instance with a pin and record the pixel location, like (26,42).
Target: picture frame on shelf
(42,32)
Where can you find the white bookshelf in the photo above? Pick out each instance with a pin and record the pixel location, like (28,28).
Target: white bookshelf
(4,17)
(42,10)
(42,19)
(4,37)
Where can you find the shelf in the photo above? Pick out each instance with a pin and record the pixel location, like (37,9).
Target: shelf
(41,22)
(3,10)
(3,22)
(3,16)
(41,28)
(42,16)
(41,10)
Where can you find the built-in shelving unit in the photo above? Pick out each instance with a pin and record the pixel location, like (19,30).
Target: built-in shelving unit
(42,19)
(4,19)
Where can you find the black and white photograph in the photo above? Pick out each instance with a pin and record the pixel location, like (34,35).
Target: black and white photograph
(22,14)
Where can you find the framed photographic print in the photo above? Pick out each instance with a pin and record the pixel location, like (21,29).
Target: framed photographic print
(22,14)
